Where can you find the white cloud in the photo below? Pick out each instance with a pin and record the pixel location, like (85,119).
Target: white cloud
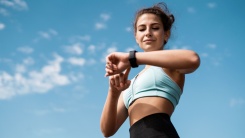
(128,29)
(91,48)
(28,61)
(25,49)
(211,46)
(85,38)
(2,26)
(75,49)
(15,4)
(76,76)
(48,34)
(20,68)
(105,16)
(4,12)
(204,55)
(191,10)
(211,5)
(99,26)
(236,102)
(102,24)
(91,61)
(35,81)
(76,61)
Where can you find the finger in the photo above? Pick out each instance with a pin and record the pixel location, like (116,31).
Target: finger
(110,58)
(126,74)
(121,78)
(117,80)
(111,66)
(108,71)
(112,80)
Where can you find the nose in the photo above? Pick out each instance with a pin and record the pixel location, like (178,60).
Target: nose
(148,32)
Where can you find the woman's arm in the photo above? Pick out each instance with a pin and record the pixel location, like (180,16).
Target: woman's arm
(114,112)
(183,61)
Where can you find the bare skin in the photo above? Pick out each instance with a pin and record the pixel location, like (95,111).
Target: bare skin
(176,63)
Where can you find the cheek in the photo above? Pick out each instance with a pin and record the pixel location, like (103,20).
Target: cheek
(138,37)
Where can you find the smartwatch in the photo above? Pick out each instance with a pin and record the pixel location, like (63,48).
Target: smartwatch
(132,59)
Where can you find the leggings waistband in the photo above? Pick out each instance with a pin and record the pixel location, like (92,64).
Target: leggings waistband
(153,126)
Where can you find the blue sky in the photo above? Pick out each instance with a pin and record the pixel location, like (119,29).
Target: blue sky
(52,82)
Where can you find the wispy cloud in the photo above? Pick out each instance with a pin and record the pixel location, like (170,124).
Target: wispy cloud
(236,102)
(91,48)
(77,61)
(99,26)
(191,10)
(15,4)
(2,26)
(211,5)
(25,49)
(104,17)
(205,55)
(4,12)
(75,49)
(128,29)
(212,46)
(48,34)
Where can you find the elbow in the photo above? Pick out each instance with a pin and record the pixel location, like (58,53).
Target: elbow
(194,61)
(107,132)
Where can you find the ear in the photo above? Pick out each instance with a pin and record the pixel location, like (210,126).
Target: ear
(166,35)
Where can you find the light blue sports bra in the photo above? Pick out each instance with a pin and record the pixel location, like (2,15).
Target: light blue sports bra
(153,82)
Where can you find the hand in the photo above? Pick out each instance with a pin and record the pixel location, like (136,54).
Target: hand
(116,63)
(120,82)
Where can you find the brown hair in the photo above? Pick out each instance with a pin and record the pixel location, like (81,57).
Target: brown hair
(159,10)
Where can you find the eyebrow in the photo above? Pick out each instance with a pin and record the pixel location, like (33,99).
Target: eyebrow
(150,24)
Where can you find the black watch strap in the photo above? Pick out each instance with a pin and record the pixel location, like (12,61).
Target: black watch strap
(132,59)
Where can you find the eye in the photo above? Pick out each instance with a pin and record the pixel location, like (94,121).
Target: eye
(155,28)
(141,29)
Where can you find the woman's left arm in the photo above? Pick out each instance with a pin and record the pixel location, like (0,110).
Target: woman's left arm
(184,61)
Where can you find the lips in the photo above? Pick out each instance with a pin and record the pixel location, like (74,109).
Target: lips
(148,40)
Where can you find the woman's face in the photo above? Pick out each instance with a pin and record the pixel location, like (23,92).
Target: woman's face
(150,33)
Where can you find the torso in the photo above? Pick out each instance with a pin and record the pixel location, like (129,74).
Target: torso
(149,105)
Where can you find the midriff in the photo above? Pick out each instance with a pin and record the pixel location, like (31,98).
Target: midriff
(148,105)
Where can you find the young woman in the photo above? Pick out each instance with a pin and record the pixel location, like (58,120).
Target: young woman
(150,98)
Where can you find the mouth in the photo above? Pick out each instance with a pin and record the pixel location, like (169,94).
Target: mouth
(148,40)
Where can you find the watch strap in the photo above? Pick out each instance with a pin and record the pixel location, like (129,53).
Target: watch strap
(132,59)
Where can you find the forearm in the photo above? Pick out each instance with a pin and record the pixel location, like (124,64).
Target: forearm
(172,59)
(109,114)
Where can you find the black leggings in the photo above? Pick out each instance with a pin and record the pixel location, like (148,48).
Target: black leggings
(156,125)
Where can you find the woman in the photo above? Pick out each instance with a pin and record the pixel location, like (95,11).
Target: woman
(150,98)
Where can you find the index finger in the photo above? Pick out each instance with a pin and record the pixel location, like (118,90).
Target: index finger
(126,74)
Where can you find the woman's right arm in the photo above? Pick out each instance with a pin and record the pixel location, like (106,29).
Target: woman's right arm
(114,112)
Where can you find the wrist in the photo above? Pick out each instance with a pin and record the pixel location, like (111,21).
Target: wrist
(132,59)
